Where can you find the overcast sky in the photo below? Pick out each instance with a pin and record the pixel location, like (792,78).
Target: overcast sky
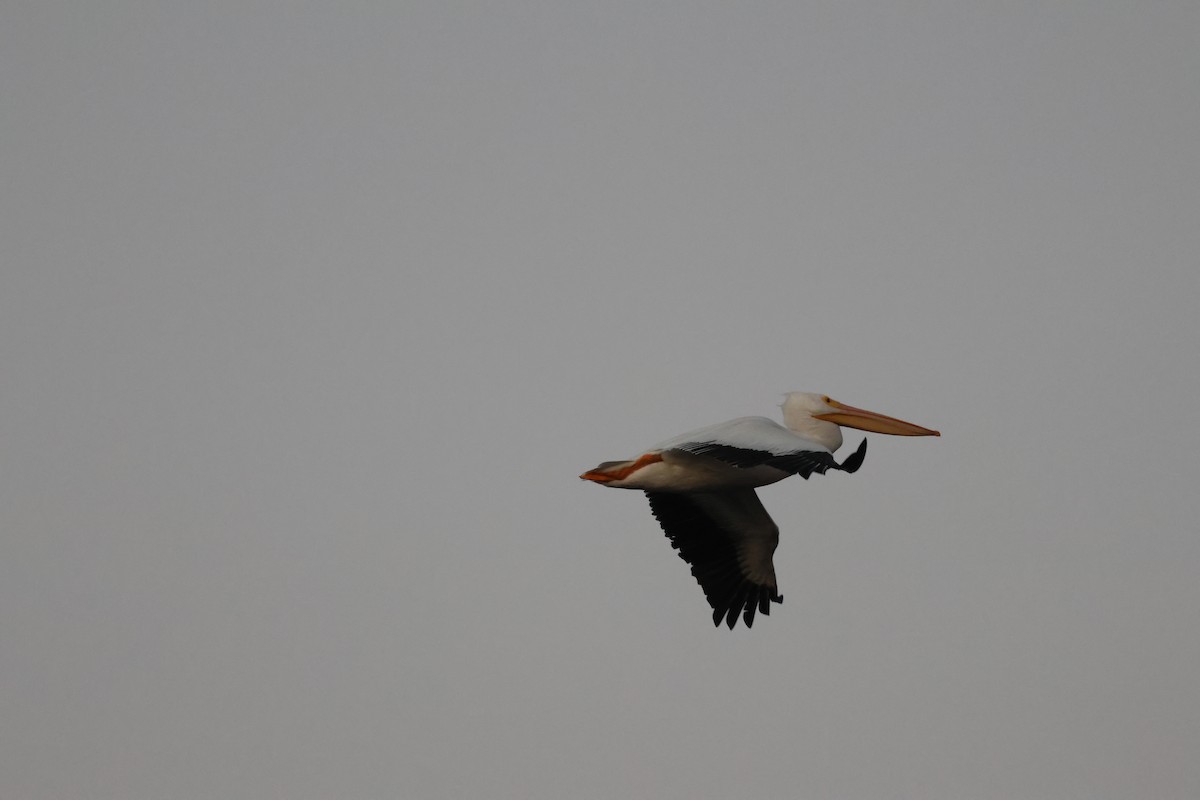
(311,315)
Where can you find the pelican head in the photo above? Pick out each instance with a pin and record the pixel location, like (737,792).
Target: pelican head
(819,417)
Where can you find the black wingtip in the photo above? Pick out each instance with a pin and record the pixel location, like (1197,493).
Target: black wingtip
(855,459)
(731,616)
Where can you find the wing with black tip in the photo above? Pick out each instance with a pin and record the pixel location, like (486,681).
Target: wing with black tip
(728,539)
(758,441)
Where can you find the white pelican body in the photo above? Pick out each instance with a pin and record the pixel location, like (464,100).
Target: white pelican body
(701,488)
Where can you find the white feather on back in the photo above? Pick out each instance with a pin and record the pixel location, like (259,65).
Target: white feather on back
(750,433)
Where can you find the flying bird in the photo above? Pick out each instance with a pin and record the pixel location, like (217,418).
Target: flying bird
(701,489)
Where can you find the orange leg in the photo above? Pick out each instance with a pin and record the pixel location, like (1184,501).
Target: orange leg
(605,476)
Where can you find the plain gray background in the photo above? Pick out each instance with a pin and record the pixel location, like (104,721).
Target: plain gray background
(311,314)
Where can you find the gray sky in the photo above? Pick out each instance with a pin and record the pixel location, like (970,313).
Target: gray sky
(311,315)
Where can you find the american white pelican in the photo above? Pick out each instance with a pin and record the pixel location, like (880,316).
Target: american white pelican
(701,490)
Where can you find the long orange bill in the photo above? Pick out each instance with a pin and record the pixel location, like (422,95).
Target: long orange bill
(863,420)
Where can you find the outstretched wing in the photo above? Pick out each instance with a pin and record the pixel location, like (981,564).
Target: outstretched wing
(758,441)
(728,539)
